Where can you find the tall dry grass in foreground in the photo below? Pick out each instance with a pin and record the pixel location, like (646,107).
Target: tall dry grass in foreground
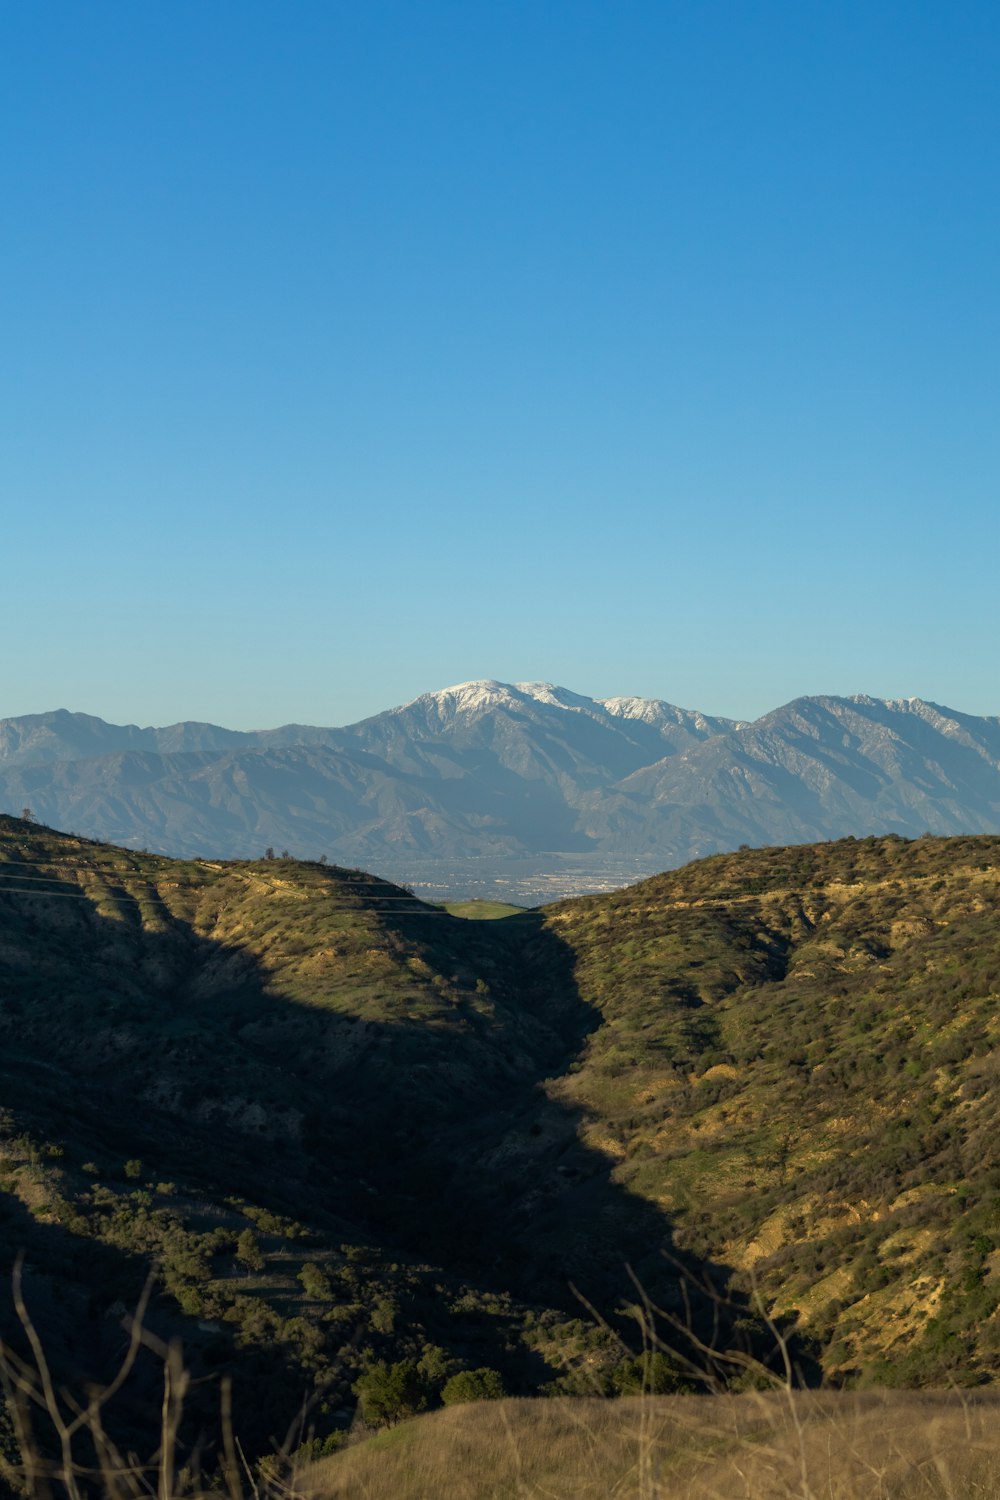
(781,1444)
(65,1451)
(754,1446)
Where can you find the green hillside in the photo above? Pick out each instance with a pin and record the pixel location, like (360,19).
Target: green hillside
(796,1065)
(353,1131)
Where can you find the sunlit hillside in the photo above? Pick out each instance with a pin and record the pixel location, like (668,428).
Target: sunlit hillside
(368,1145)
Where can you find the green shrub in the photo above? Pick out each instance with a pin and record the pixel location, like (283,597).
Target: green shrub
(387,1393)
(483,1384)
(248,1251)
(383,1315)
(652,1373)
(434,1364)
(315,1282)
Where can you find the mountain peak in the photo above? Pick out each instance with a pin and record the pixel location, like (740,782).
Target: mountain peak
(464,697)
(485,693)
(555,696)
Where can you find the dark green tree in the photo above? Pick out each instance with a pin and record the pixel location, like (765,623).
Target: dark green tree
(248,1251)
(483,1384)
(388,1393)
(315,1282)
(653,1374)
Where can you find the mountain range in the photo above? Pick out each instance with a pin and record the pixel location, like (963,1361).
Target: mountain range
(527,788)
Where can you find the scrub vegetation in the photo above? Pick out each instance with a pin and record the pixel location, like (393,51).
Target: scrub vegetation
(728,1128)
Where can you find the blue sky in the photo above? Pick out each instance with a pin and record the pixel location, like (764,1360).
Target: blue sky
(351,350)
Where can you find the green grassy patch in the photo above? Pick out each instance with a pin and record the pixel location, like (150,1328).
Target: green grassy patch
(482,911)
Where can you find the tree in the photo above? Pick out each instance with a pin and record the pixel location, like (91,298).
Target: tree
(483,1384)
(434,1364)
(383,1314)
(315,1282)
(27,815)
(248,1251)
(387,1393)
(652,1374)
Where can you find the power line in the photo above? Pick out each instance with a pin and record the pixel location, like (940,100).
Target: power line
(134,900)
(348,887)
(372,883)
(74,896)
(96,898)
(16,874)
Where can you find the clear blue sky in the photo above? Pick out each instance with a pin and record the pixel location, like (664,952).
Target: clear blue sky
(354,349)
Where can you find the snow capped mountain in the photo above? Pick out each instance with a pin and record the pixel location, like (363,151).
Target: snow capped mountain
(486,695)
(648,709)
(655,711)
(481,696)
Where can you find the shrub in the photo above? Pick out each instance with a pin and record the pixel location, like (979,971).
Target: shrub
(652,1373)
(315,1282)
(387,1393)
(434,1364)
(483,1384)
(383,1316)
(248,1251)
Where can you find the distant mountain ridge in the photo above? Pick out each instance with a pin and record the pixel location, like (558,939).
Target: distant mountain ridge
(487,771)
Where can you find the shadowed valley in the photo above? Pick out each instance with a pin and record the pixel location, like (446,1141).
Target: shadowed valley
(353,1131)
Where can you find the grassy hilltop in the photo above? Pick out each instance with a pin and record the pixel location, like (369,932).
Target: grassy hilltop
(350,1128)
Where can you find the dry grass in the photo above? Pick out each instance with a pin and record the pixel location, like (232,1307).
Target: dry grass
(77,1459)
(773,1446)
(781,1444)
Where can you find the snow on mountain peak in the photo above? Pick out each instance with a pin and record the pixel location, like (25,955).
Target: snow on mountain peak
(555,697)
(467,696)
(486,693)
(649,710)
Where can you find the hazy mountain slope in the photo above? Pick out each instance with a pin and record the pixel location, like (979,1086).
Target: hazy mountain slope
(825,767)
(533,730)
(58,736)
(489,771)
(63,736)
(482,770)
(311,799)
(308,800)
